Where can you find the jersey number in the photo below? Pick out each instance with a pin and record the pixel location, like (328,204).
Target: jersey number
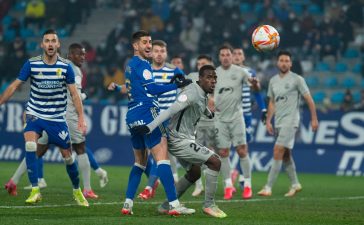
(195,147)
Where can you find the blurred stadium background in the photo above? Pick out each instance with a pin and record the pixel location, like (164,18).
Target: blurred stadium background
(327,41)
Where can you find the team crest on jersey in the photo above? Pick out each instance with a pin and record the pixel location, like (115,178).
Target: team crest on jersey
(40,73)
(164,76)
(59,72)
(147,74)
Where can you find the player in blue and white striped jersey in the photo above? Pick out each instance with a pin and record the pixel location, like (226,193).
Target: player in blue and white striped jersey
(238,59)
(162,73)
(50,76)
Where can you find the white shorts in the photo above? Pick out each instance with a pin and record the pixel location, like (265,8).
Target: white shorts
(285,136)
(188,152)
(76,135)
(230,133)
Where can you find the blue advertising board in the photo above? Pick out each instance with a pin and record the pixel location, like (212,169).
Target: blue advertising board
(337,147)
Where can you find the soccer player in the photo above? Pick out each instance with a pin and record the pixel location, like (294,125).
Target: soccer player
(284,93)
(50,77)
(185,113)
(163,72)
(205,129)
(238,59)
(229,123)
(142,109)
(76,55)
(178,62)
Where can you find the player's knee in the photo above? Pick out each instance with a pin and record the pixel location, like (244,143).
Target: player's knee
(224,153)
(30,146)
(193,174)
(214,163)
(69,160)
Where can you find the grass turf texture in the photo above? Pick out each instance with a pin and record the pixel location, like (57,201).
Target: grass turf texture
(325,199)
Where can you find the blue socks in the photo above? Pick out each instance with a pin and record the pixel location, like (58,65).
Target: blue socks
(72,171)
(94,165)
(134,180)
(40,167)
(164,173)
(31,161)
(153,175)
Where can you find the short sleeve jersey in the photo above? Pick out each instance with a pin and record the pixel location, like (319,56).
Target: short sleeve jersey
(286,94)
(227,92)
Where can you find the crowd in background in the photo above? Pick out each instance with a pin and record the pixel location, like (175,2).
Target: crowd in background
(312,30)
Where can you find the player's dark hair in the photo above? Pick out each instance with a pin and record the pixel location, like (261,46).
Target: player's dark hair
(139,34)
(74,46)
(203,56)
(159,43)
(204,68)
(176,57)
(284,52)
(226,46)
(49,31)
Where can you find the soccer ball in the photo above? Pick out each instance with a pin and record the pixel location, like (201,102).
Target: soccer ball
(265,38)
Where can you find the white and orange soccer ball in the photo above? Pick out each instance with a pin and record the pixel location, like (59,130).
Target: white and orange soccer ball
(265,38)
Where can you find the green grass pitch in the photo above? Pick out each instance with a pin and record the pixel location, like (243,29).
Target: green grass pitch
(325,199)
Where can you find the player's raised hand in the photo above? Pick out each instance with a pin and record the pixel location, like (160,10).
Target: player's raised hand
(141,130)
(111,86)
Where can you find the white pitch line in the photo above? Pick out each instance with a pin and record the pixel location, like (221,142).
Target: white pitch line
(185,202)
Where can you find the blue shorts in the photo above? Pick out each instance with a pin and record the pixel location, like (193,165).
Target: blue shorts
(143,116)
(57,131)
(248,128)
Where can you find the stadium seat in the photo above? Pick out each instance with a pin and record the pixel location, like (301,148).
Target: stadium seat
(322,67)
(297,8)
(20,6)
(330,82)
(312,81)
(341,67)
(314,9)
(348,82)
(245,7)
(356,96)
(104,101)
(357,68)
(6,21)
(9,35)
(63,33)
(26,33)
(337,97)
(258,8)
(31,46)
(319,97)
(351,53)
(362,84)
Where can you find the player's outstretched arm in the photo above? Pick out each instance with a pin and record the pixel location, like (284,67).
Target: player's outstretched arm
(10,91)
(312,108)
(117,88)
(78,106)
(165,115)
(270,113)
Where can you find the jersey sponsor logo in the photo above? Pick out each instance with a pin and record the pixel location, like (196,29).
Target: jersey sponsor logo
(136,123)
(63,134)
(281,98)
(147,74)
(182,98)
(229,90)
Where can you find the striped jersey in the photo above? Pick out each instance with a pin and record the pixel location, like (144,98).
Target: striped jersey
(48,87)
(246,94)
(164,76)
